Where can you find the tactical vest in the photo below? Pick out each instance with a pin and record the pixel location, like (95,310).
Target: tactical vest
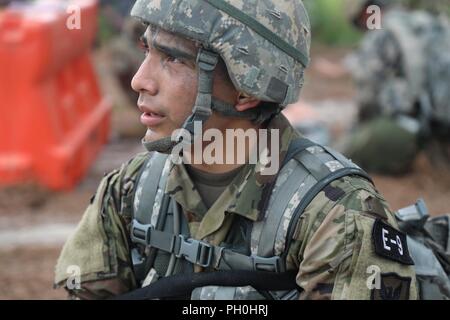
(163,249)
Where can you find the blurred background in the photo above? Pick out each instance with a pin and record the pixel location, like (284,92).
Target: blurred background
(68,115)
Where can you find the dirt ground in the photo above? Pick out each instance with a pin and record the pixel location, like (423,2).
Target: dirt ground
(34,224)
(27,273)
(30,242)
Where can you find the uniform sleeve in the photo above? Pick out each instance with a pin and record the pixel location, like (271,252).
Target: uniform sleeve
(95,261)
(349,247)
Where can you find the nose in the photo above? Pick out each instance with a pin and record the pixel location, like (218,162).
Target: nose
(144,80)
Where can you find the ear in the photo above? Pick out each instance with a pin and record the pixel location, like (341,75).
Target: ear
(245,102)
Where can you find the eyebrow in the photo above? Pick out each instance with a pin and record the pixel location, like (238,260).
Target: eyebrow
(173,51)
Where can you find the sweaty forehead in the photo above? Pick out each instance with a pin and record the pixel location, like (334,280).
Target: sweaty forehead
(159,37)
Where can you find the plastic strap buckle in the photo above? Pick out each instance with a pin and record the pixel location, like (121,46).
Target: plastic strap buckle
(140,233)
(272,264)
(195,251)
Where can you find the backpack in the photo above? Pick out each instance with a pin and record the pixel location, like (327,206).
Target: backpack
(429,244)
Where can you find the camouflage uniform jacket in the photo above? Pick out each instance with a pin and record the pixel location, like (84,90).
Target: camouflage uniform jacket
(332,246)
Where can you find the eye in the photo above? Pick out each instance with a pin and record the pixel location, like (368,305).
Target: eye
(172,59)
(143,46)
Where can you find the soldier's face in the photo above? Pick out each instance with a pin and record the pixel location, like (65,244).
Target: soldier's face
(167,83)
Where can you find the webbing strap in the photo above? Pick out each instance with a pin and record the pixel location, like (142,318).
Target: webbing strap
(229,110)
(316,168)
(261,30)
(296,146)
(206,62)
(200,252)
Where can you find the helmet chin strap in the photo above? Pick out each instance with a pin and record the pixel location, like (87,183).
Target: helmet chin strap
(204,104)
(163,145)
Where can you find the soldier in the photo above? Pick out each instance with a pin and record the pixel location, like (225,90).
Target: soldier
(402,75)
(316,228)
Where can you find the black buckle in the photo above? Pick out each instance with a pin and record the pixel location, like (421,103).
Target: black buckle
(207,60)
(140,233)
(195,251)
(272,264)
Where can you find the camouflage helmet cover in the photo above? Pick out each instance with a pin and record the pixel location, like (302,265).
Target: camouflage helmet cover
(264,43)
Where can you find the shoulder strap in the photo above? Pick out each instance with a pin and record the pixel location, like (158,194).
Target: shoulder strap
(307,169)
(145,213)
(129,177)
(150,179)
(295,147)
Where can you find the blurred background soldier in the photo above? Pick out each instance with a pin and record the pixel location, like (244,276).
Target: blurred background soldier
(114,13)
(125,56)
(119,35)
(118,59)
(402,73)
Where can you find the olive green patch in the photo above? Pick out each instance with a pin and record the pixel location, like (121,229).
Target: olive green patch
(392,287)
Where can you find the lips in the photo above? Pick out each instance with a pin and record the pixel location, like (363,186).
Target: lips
(149,117)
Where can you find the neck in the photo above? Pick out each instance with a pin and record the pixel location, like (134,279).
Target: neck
(235,145)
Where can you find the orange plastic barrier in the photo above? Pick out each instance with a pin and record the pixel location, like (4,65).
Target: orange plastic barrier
(53,119)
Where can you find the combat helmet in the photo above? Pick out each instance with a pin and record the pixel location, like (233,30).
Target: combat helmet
(264,44)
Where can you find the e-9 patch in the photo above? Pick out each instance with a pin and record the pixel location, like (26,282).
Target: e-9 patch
(390,243)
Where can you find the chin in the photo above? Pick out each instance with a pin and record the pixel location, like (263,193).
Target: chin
(152,135)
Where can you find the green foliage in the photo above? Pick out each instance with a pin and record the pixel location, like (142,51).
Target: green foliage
(329,23)
(105,30)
